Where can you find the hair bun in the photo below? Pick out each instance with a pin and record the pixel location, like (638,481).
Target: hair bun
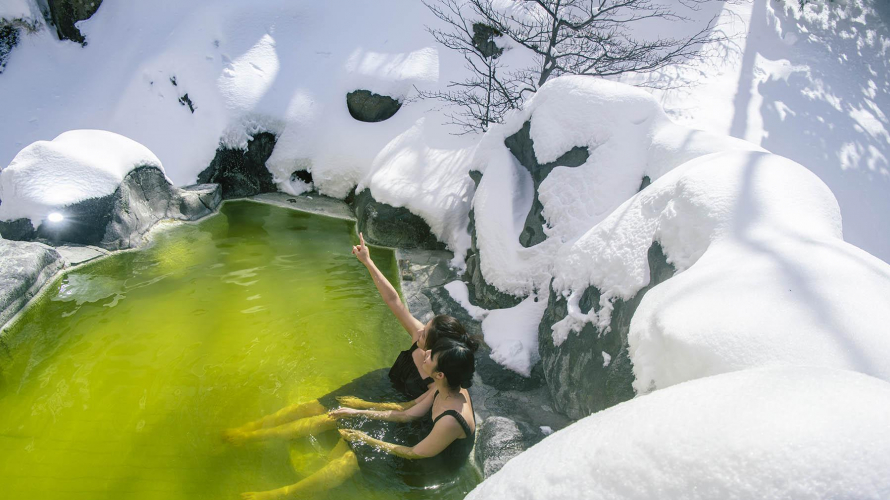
(473,343)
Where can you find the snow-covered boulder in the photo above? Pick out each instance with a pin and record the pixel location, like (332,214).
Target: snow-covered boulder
(790,433)
(763,276)
(93,187)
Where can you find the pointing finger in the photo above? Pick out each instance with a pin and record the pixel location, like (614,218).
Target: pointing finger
(361,238)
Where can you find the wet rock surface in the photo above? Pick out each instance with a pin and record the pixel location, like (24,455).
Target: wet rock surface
(365,106)
(579,378)
(24,268)
(390,226)
(242,173)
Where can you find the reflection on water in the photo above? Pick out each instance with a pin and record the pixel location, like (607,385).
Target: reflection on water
(118,383)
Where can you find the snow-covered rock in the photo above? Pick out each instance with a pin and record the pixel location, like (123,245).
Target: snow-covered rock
(93,187)
(793,432)
(78,165)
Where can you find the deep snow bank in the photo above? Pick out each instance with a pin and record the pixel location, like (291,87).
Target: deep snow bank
(75,166)
(801,433)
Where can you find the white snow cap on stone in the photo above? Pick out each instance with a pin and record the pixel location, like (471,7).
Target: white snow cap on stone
(628,137)
(799,433)
(75,166)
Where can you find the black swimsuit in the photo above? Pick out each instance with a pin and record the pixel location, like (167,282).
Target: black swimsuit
(456,453)
(405,377)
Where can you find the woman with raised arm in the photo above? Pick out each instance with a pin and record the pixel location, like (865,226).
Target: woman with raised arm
(451,365)
(405,375)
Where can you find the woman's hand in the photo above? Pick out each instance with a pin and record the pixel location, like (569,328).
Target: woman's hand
(361,251)
(340,413)
(353,436)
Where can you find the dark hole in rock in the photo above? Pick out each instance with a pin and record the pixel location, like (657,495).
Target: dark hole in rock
(367,107)
(645,183)
(303,175)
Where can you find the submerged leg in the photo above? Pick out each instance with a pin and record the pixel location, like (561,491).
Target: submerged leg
(282,416)
(330,476)
(291,430)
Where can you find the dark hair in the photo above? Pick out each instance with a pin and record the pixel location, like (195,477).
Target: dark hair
(444,326)
(455,360)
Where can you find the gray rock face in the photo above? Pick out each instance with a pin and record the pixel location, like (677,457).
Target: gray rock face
(145,197)
(119,220)
(579,380)
(242,173)
(24,269)
(521,146)
(365,106)
(64,13)
(390,226)
(500,439)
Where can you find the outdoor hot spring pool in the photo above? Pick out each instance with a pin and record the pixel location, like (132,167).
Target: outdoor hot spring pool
(118,382)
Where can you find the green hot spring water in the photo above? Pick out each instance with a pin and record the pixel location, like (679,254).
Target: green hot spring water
(117,383)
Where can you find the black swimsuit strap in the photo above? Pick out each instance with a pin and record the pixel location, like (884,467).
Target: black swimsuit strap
(460,419)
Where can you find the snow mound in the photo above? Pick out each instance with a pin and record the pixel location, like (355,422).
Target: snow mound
(75,166)
(764,277)
(628,137)
(777,433)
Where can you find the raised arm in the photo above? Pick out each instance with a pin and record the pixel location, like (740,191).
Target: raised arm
(387,291)
(444,433)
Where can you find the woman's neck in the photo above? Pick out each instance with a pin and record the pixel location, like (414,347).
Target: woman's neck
(444,389)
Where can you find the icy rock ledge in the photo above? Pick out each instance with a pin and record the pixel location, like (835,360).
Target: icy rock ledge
(93,187)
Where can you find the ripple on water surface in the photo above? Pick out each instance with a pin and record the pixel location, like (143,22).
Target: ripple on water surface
(118,382)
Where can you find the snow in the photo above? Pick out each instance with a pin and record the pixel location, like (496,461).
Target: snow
(280,66)
(803,433)
(15,9)
(459,292)
(77,165)
(628,136)
(512,334)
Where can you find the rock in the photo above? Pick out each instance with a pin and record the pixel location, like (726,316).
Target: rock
(365,106)
(579,379)
(9,38)
(500,439)
(144,198)
(521,146)
(483,40)
(482,294)
(242,173)
(390,226)
(24,269)
(65,13)
(121,219)
(17,230)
